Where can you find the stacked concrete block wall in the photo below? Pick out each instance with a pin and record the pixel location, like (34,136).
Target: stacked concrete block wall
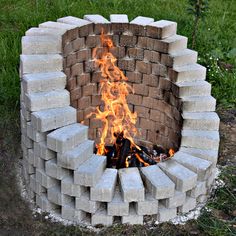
(59,87)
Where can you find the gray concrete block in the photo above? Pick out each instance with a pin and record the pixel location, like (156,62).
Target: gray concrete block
(75,157)
(199,189)
(40,63)
(50,119)
(71,20)
(198,104)
(47,100)
(34,134)
(200,139)
(41,150)
(69,212)
(39,163)
(56,25)
(131,184)
(68,187)
(54,171)
(202,198)
(104,190)
(200,166)
(85,204)
(89,173)
(147,207)
(43,82)
(25,112)
(34,31)
(177,200)
(184,178)
(101,217)
(28,143)
(43,202)
(157,182)
(119,18)
(117,207)
(166,214)
(96,19)
(66,138)
(41,44)
(133,218)
(190,204)
(201,121)
(211,178)
(141,20)
(45,180)
(55,196)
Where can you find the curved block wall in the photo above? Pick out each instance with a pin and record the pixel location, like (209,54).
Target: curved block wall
(59,87)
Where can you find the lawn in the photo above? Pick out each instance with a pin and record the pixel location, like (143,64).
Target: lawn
(216,45)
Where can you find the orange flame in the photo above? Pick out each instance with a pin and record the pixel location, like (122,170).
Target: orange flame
(171,152)
(116,115)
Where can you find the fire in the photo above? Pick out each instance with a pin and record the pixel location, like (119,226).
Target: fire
(115,115)
(171,152)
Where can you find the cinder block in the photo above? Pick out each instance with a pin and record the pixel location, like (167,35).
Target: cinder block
(54,171)
(45,180)
(43,202)
(50,119)
(40,63)
(201,121)
(104,190)
(157,182)
(211,178)
(198,104)
(147,207)
(66,138)
(131,184)
(41,150)
(27,142)
(140,20)
(96,19)
(85,204)
(190,204)
(199,189)
(54,195)
(26,113)
(47,100)
(165,214)
(133,218)
(200,166)
(68,187)
(89,173)
(177,200)
(41,44)
(43,82)
(200,139)
(39,163)
(119,18)
(101,217)
(184,178)
(75,157)
(161,29)
(34,134)
(56,25)
(71,20)
(44,31)
(69,212)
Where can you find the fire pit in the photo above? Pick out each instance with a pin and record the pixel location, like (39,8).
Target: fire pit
(117,120)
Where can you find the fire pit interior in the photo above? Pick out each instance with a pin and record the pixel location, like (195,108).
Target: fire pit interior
(117,120)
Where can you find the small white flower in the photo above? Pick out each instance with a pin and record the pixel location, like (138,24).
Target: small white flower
(209,28)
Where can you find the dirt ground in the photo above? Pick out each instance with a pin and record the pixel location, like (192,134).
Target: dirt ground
(16,217)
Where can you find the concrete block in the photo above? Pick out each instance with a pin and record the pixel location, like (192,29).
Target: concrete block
(47,100)
(71,20)
(104,190)
(40,63)
(117,207)
(56,25)
(200,166)
(44,31)
(194,88)
(198,104)
(69,212)
(25,112)
(54,171)
(161,29)
(199,189)
(101,217)
(32,182)
(54,195)
(166,214)
(133,218)
(43,202)
(50,119)
(41,45)
(200,139)
(85,204)
(41,150)
(177,200)
(68,187)
(75,157)
(147,207)
(184,178)
(43,82)
(39,163)
(28,167)
(28,143)
(66,138)
(89,173)
(192,72)
(45,180)
(202,198)
(34,134)
(119,18)
(201,121)
(132,188)
(96,19)
(211,178)
(140,20)
(157,182)
(190,204)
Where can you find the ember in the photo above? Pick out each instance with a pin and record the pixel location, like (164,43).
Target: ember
(118,121)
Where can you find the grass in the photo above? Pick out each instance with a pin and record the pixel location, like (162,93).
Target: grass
(216,45)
